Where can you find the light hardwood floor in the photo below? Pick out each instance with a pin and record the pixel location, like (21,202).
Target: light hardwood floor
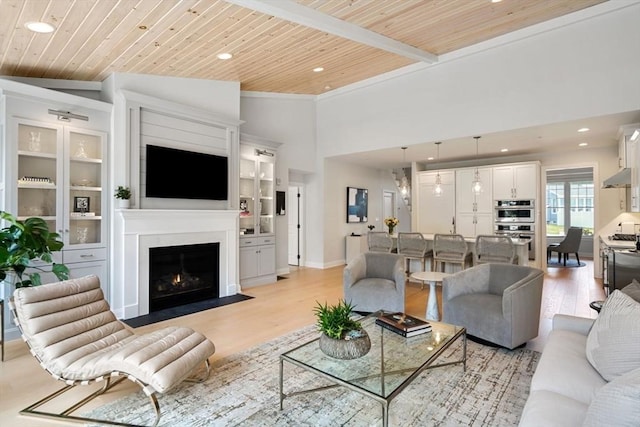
(276,310)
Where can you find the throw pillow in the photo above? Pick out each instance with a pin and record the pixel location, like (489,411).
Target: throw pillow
(617,403)
(633,290)
(613,343)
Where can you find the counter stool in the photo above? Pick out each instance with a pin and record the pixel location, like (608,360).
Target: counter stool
(413,246)
(450,248)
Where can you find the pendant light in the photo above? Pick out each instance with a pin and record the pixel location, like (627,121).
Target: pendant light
(404,184)
(437,189)
(476,185)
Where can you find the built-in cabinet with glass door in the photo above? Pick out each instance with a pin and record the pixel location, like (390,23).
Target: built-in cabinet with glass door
(257,207)
(56,169)
(60,177)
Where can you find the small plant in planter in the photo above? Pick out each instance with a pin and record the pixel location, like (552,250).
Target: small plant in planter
(22,242)
(342,337)
(123,194)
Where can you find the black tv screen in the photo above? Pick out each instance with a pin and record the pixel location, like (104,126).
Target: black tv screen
(179,174)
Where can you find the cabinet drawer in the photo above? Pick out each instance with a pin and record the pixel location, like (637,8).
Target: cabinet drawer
(84,255)
(267,240)
(252,241)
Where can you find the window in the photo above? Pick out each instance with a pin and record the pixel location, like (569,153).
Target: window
(569,201)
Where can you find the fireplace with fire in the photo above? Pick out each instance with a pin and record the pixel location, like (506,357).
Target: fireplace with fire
(180,275)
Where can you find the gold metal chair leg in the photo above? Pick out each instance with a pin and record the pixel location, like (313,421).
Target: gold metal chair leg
(32,410)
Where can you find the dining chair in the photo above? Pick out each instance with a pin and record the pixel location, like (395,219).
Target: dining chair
(414,246)
(570,244)
(494,248)
(379,241)
(450,248)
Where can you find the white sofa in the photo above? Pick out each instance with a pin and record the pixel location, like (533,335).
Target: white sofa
(564,382)
(589,372)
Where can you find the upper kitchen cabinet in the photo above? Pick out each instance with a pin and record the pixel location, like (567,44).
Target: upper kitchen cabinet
(635,175)
(435,211)
(626,150)
(519,181)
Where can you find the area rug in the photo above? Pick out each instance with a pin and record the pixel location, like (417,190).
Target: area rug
(572,263)
(243,391)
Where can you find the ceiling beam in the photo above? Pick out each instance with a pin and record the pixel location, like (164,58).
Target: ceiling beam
(294,12)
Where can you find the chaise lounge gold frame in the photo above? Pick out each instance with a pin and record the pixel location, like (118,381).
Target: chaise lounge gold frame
(73,334)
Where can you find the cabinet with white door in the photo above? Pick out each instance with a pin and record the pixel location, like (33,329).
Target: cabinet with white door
(435,211)
(516,181)
(474,212)
(60,172)
(257,260)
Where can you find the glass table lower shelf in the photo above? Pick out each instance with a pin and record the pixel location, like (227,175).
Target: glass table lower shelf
(390,366)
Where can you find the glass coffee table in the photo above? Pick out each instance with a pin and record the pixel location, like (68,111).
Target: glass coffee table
(391,365)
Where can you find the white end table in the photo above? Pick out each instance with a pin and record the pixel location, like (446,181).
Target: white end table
(431,277)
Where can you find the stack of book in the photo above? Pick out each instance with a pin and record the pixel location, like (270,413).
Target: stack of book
(403,324)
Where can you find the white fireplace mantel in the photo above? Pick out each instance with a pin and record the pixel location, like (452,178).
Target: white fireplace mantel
(138,230)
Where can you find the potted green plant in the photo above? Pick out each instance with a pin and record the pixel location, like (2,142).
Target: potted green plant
(24,242)
(123,194)
(341,337)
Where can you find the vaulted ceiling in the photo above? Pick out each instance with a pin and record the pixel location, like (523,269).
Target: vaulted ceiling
(275,44)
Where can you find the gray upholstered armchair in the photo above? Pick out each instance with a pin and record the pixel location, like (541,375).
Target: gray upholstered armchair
(375,281)
(499,303)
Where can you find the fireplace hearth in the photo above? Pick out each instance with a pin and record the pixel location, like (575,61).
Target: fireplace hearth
(183,274)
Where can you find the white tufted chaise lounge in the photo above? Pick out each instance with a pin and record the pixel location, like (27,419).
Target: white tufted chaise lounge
(71,330)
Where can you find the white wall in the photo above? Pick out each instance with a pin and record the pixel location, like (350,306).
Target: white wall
(587,69)
(291,121)
(339,176)
(215,96)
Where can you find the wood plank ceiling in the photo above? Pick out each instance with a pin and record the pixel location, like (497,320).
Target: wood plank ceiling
(95,38)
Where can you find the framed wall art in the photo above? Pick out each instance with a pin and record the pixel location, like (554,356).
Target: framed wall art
(81,204)
(357,204)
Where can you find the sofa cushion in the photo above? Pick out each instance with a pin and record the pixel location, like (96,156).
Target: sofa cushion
(564,369)
(633,290)
(613,344)
(617,403)
(549,409)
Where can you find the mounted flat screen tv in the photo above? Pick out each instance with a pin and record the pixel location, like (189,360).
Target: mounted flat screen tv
(179,174)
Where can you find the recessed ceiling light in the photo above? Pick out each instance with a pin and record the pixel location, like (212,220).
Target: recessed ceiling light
(583,130)
(496,1)
(39,27)
(224,56)
(504,150)
(318,69)
(429,158)
(583,144)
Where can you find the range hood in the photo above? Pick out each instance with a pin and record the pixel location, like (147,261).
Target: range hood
(620,180)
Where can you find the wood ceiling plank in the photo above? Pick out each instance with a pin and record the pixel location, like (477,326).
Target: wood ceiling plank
(10,10)
(204,39)
(44,51)
(270,54)
(128,38)
(21,39)
(87,34)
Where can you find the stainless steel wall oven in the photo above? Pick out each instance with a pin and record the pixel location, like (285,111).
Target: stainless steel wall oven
(515,211)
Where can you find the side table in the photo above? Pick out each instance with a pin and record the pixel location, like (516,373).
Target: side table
(596,305)
(431,277)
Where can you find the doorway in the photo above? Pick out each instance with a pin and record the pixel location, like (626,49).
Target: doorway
(388,204)
(295,224)
(570,200)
